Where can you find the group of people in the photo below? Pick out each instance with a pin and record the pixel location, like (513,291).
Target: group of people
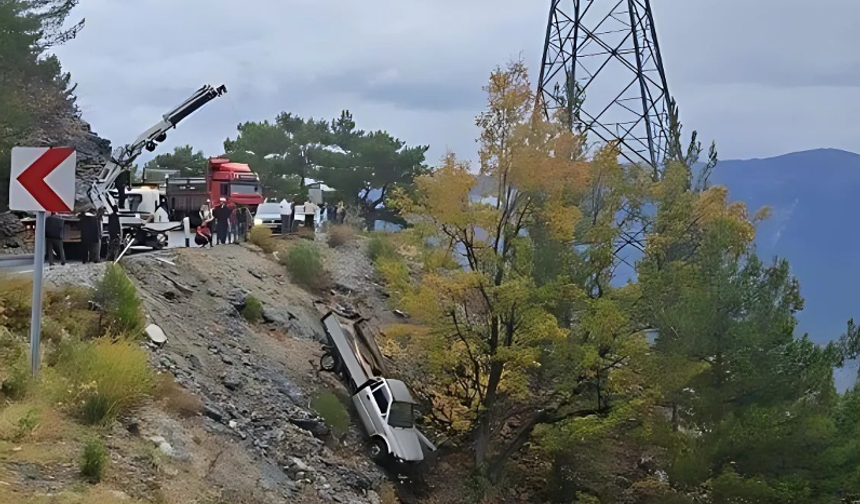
(230,224)
(317,213)
(92,231)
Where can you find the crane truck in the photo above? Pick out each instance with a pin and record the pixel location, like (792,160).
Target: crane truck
(102,191)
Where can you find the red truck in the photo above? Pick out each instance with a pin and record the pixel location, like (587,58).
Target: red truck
(224,179)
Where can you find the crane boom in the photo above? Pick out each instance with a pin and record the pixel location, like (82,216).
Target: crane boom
(99,192)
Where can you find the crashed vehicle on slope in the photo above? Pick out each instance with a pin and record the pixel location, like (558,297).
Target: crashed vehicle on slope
(384,405)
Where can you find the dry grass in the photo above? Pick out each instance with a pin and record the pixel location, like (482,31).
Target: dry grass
(340,234)
(34,421)
(261,236)
(388,494)
(99,494)
(101,379)
(175,399)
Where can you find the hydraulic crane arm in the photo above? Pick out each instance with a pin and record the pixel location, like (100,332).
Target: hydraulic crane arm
(99,192)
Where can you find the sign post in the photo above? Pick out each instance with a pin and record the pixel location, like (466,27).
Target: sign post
(41,180)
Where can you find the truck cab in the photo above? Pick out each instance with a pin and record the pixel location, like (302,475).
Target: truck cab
(387,411)
(234,181)
(143,199)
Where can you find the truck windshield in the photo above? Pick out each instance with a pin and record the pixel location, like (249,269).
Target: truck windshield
(133,201)
(244,188)
(401,415)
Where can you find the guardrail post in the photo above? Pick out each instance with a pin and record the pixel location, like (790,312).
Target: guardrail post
(36,313)
(186,226)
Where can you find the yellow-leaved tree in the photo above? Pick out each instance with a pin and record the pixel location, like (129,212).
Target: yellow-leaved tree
(504,348)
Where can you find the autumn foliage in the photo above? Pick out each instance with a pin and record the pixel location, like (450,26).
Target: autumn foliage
(528,340)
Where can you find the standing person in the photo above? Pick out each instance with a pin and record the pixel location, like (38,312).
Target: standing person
(100,229)
(114,234)
(234,222)
(341,213)
(205,211)
(222,218)
(310,210)
(242,222)
(122,183)
(54,239)
(89,236)
(286,217)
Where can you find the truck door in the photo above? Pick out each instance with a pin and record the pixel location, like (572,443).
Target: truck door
(382,401)
(364,404)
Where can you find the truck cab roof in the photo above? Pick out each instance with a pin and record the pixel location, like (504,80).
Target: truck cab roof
(399,391)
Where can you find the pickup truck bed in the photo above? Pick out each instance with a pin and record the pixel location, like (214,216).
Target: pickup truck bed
(346,352)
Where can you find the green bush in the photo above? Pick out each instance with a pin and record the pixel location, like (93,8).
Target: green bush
(304,264)
(261,236)
(94,460)
(379,246)
(16,294)
(253,310)
(103,378)
(15,378)
(121,310)
(332,411)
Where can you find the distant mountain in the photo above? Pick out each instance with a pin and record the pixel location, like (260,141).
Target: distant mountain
(814,197)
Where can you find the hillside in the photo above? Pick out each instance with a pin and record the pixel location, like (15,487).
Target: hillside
(812,195)
(238,426)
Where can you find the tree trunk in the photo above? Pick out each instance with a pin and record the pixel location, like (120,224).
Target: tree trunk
(482,441)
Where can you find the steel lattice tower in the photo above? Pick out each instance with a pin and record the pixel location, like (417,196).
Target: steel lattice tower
(607,50)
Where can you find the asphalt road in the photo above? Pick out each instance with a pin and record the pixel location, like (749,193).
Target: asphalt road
(23,263)
(19,263)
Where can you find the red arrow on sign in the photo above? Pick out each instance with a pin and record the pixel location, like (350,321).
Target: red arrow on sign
(33,179)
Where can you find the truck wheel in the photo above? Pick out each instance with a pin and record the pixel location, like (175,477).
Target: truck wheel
(328,362)
(378,449)
(161,241)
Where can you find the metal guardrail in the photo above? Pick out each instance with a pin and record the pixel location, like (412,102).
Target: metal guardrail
(10,261)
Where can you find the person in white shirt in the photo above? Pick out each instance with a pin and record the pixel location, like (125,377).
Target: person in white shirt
(310,211)
(286,216)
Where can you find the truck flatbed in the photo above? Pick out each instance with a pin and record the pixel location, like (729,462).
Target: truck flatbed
(346,351)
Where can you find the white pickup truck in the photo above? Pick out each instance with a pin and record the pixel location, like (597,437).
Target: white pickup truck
(385,406)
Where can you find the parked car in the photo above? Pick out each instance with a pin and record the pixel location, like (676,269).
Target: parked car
(269,215)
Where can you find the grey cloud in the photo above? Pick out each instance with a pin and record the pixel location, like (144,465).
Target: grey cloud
(743,71)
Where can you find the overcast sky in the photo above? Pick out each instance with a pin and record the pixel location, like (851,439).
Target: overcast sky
(762,77)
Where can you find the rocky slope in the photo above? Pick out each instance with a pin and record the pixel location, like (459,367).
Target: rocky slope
(255,435)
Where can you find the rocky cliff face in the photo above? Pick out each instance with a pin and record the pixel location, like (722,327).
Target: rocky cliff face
(92,153)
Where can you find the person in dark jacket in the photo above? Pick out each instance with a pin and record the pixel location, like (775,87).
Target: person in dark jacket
(54,239)
(114,234)
(100,225)
(222,217)
(90,237)
(122,182)
(242,221)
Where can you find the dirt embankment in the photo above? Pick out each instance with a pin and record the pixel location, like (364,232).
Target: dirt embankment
(256,380)
(234,425)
